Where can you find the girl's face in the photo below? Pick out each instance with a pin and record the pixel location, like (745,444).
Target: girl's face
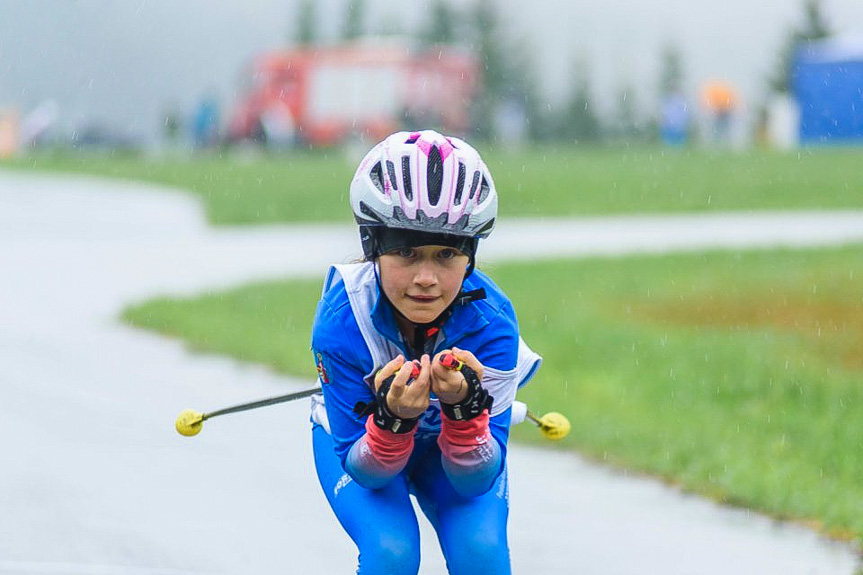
(421,282)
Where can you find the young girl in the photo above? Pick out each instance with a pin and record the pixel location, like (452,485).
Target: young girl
(419,359)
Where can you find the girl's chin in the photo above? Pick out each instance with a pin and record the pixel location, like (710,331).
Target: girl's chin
(420,315)
(421,318)
(419,312)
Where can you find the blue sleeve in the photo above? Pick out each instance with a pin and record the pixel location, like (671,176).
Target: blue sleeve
(343,362)
(334,346)
(503,355)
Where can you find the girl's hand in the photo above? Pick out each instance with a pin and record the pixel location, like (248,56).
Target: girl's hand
(403,400)
(449,385)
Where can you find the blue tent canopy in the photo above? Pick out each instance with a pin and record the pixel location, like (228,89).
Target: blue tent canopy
(828,85)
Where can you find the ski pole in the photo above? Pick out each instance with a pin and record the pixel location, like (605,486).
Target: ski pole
(552,425)
(190,422)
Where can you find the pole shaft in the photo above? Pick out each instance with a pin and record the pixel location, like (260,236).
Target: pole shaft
(263,402)
(534,419)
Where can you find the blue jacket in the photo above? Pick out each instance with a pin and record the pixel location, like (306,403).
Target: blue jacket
(355,333)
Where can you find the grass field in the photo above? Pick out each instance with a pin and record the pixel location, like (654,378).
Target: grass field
(735,375)
(536,182)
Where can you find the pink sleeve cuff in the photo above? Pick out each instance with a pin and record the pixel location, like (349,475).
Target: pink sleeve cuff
(390,450)
(457,438)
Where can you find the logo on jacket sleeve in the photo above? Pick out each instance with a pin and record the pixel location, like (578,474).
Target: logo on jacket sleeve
(323,374)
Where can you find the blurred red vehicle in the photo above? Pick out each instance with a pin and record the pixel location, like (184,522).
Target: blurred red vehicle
(321,95)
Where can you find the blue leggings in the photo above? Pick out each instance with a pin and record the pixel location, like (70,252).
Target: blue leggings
(382,522)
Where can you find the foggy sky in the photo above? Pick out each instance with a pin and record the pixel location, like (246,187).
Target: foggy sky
(124,62)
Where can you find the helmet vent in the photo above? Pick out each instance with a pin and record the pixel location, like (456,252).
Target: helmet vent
(459,186)
(376,174)
(367,211)
(486,229)
(406,176)
(391,172)
(434,175)
(483,191)
(474,184)
(413,138)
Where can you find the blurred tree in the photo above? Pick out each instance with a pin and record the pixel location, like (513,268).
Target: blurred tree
(670,70)
(488,47)
(354,18)
(524,88)
(307,23)
(580,122)
(509,84)
(387,25)
(441,27)
(172,128)
(625,125)
(673,123)
(815,27)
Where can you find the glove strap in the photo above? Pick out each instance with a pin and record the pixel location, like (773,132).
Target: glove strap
(381,415)
(475,402)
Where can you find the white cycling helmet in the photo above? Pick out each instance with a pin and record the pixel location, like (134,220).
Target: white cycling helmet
(424,182)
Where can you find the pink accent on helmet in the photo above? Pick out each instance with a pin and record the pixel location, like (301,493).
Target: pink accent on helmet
(445,148)
(425,146)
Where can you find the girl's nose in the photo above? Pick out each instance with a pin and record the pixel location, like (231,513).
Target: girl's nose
(425,275)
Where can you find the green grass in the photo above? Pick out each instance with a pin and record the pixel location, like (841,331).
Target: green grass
(737,376)
(267,323)
(536,182)
(734,376)
(299,188)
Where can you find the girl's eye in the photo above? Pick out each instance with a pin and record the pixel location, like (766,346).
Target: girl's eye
(406,253)
(446,254)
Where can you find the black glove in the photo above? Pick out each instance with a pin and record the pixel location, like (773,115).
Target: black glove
(381,415)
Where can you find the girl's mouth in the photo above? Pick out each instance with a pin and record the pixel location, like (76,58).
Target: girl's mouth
(422,298)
